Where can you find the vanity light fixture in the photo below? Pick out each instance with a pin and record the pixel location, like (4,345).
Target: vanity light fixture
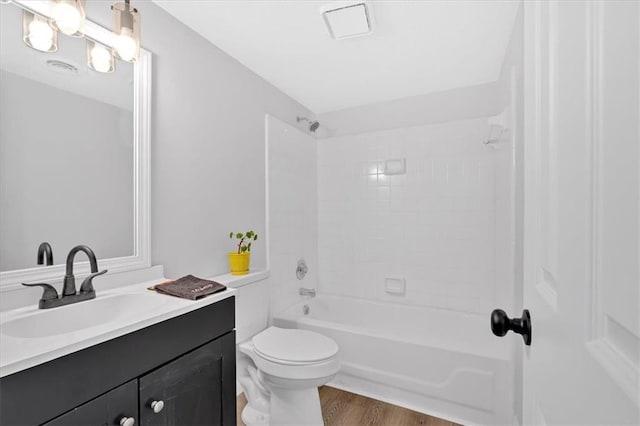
(67,16)
(99,57)
(126,26)
(37,33)
(42,20)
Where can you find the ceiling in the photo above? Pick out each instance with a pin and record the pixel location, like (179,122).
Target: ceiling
(417,47)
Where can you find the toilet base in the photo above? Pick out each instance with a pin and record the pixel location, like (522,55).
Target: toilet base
(296,407)
(252,417)
(287,407)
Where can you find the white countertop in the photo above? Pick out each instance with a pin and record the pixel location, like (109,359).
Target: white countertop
(137,308)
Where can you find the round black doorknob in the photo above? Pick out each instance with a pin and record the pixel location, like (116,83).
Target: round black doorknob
(501,324)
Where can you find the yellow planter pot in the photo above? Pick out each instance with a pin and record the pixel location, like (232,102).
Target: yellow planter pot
(239,263)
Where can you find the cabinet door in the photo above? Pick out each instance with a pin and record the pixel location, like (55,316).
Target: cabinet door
(192,390)
(116,407)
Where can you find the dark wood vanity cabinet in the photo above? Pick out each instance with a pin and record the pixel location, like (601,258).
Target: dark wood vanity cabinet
(177,372)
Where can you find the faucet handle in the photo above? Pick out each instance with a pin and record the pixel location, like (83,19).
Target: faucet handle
(87,284)
(301,269)
(49,291)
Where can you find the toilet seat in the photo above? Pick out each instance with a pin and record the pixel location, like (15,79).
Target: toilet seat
(293,354)
(293,346)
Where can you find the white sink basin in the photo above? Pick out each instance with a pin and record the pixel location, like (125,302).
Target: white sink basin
(81,315)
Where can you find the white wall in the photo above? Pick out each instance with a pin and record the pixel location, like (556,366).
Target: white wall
(67,185)
(436,226)
(292,211)
(440,107)
(207,145)
(207,148)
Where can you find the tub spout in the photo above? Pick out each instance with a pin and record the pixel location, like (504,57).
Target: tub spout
(308,292)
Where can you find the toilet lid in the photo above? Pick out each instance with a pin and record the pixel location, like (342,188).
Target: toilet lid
(294,345)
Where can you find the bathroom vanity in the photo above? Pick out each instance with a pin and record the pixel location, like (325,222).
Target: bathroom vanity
(173,362)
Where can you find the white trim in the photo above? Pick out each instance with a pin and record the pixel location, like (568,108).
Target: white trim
(266,189)
(141,258)
(594,95)
(638,302)
(267,217)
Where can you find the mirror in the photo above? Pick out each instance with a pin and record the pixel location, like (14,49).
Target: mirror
(73,155)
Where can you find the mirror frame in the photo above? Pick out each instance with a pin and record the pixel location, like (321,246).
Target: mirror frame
(141,258)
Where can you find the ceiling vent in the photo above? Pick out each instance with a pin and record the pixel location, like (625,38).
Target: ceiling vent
(347,19)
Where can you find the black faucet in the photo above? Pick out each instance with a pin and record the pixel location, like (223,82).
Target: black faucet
(45,249)
(50,298)
(69,287)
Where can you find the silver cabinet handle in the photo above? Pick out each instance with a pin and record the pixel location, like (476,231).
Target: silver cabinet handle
(157,406)
(127,421)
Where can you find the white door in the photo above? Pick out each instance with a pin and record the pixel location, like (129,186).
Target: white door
(581,212)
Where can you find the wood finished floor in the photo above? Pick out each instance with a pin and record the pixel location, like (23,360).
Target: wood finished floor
(349,409)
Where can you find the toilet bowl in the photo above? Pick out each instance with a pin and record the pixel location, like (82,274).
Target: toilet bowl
(281,383)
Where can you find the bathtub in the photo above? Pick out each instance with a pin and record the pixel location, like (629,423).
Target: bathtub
(439,362)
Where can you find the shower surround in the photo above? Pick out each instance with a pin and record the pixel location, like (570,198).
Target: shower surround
(411,265)
(439,235)
(443,228)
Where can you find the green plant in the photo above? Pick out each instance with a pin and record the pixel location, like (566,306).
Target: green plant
(244,245)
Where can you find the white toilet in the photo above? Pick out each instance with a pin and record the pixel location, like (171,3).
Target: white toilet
(281,384)
(279,369)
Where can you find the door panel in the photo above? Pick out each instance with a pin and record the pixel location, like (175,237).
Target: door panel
(190,389)
(582,186)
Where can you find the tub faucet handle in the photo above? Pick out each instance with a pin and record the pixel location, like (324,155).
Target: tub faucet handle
(301,269)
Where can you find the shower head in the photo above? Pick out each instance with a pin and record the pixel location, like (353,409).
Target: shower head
(313,125)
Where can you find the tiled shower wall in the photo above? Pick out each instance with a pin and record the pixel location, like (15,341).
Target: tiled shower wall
(435,227)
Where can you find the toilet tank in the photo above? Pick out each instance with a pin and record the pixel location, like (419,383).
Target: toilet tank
(252,309)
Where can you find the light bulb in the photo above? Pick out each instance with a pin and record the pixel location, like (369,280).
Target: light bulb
(101,59)
(67,18)
(40,35)
(126,45)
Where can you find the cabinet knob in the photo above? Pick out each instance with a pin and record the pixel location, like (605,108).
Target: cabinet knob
(127,421)
(157,406)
